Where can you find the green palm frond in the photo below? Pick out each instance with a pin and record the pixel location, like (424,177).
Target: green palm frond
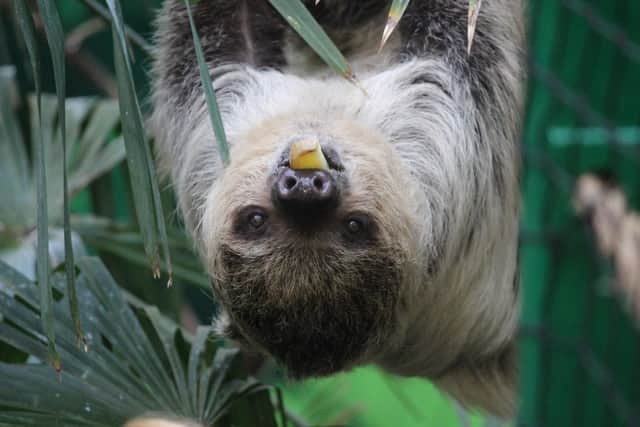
(210,96)
(55,38)
(94,148)
(144,183)
(15,168)
(71,147)
(27,30)
(138,362)
(126,242)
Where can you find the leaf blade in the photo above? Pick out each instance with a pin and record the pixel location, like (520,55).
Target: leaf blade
(27,30)
(212,104)
(301,20)
(55,39)
(15,171)
(144,184)
(126,374)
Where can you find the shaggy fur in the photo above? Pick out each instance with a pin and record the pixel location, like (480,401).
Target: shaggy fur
(428,156)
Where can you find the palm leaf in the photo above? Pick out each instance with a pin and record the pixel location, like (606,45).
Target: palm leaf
(143,179)
(205,78)
(126,242)
(42,261)
(144,184)
(15,172)
(301,20)
(55,38)
(94,148)
(139,361)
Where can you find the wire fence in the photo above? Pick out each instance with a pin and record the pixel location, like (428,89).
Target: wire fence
(580,344)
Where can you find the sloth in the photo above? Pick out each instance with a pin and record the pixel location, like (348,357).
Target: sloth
(369,223)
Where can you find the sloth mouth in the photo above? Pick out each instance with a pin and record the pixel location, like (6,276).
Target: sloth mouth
(314,322)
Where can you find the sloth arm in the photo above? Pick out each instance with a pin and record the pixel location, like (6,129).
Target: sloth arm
(232,32)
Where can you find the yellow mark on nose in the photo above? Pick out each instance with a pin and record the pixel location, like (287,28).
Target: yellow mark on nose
(307,154)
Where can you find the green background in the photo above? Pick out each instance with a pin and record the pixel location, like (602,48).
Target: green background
(580,351)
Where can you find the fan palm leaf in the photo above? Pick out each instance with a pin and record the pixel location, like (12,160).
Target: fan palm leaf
(138,361)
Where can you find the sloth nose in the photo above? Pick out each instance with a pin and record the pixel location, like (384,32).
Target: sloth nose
(296,190)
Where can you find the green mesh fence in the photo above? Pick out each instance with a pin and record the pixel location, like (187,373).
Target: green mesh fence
(580,350)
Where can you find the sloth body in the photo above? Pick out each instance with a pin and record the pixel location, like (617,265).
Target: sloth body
(412,265)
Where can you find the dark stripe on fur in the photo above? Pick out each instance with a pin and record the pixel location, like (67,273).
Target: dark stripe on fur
(232,32)
(344,14)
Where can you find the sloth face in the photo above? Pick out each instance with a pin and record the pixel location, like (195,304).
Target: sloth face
(309,264)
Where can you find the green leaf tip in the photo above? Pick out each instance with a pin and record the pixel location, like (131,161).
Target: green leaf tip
(55,38)
(146,193)
(210,97)
(27,30)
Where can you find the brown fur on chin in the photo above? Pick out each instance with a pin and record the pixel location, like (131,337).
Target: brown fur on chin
(314,324)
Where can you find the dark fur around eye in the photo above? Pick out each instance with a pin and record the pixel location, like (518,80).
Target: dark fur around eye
(250,222)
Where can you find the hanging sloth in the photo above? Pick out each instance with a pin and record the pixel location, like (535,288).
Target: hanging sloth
(355,224)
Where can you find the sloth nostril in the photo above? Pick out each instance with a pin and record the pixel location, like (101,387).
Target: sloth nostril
(298,191)
(318,182)
(290,182)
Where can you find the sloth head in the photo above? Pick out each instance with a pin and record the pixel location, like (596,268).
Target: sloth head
(308,260)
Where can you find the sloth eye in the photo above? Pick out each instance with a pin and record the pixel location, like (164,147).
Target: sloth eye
(354,226)
(257,220)
(250,222)
(357,226)
(359,229)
